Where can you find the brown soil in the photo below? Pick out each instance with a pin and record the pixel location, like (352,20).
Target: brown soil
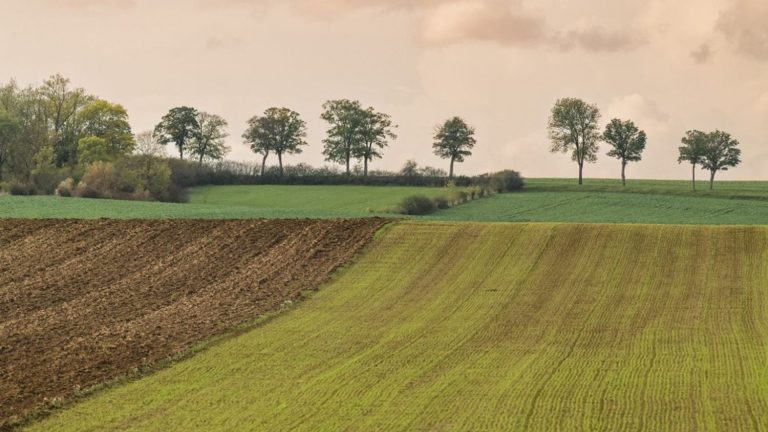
(83,302)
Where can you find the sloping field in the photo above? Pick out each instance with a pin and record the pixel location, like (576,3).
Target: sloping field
(490,327)
(82,302)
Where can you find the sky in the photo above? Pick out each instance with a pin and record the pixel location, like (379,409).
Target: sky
(668,65)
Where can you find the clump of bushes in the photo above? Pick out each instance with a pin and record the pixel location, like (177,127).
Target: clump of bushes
(66,187)
(418,205)
(18,188)
(506,181)
(441,202)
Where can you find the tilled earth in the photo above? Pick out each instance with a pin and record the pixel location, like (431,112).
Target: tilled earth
(83,302)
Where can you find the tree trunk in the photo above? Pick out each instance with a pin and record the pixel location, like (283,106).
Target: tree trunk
(450,173)
(365,167)
(200,161)
(581,173)
(712,180)
(623,176)
(693,170)
(263,164)
(181,151)
(348,172)
(280,162)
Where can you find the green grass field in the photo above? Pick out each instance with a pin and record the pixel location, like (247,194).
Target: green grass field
(443,326)
(543,200)
(226,202)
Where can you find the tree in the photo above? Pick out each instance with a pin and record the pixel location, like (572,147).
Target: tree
(147,145)
(9,132)
(573,127)
(61,106)
(344,138)
(93,149)
(279,130)
(628,143)
(410,169)
(720,153)
(454,140)
(208,140)
(375,129)
(110,122)
(692,150)
(179,127)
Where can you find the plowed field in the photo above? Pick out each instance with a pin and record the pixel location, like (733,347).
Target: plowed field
(82,302)
(505,327)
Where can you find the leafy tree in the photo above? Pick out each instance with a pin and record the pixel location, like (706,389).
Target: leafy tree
(628,143)
(375,129)
(28,108)
(720,153)
(692,150)
(344,138)
(110,122)
(208,140)
(454,140)
(61,105)
(9,131)
(573,127)
(93,149)
(279,130)
(179,127)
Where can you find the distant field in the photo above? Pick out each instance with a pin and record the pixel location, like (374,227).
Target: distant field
(543,200)
(486,327)
(226,202)
(726,189)
(607,201)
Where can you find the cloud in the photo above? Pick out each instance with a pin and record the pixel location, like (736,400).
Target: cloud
(482,21)
(643,111)
(702,54)
(743,24)
(598,39)
(508,23)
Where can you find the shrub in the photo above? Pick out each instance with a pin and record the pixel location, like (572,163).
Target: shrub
(47,179)
(65,188)
(99,181)
(417,205)
(16,188)
(506,181)
(441,202)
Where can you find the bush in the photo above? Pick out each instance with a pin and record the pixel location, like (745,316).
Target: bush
(417,205)
(506,181)
(47,179)
(99,181)
(441,202)
(65,188)
(16,188)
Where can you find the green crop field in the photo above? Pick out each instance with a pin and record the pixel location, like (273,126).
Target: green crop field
(443,326)
(226,202)
(543,200)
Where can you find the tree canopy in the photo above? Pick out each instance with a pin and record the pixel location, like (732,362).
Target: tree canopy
(208,140)
(376,129)
(720,153)
(279,130)
(627,143)
(179,126)
(573,127)
(344,138)
(454,140)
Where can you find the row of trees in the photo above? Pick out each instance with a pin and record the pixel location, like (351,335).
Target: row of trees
(355,133)
(574,127)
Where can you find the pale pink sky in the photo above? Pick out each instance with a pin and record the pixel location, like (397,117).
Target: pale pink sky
(670,65)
